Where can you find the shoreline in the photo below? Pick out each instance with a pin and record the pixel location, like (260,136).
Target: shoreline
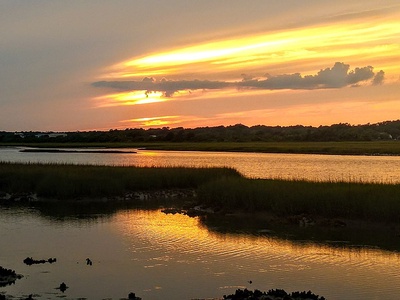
(358,148)
(217,191)
(41,150)
(186,202)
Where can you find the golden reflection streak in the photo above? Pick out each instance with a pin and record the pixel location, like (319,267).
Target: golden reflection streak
(330,41)
(182,234)
(146,97)
(163,121)
(155,121)
(130,98)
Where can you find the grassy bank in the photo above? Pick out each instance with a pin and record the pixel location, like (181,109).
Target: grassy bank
(69,181)
(338,148)
(350,148)
(365,201)
(216,187)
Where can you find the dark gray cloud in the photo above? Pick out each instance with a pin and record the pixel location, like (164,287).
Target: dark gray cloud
(338,76)
(379,78)
(168,87)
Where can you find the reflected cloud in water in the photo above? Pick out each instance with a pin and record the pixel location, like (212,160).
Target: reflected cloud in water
(268,260)
(162,256)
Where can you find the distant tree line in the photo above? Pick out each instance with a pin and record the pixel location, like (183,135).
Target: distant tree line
(388,130)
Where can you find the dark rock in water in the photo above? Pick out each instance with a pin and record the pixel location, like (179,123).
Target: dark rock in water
(63,287)
(158,194)
(30,261)
(8,276)
(132,296)
(277,294)
(172,211)
(306,295)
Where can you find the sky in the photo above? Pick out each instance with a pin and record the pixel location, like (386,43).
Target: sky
(100,64)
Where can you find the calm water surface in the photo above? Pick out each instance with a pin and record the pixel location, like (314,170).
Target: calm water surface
(162,256)
(260,165)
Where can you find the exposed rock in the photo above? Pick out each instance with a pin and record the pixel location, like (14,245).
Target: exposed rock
(63,287)
(191,211)
(132,296)
(277,294)
(8,276)
(6,198)
(172,211)
(30,261)
(162,194)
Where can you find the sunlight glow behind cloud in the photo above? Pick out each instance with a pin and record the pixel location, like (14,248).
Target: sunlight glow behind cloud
(153,121)
(264,51)
(337,76)
(130,98)
(356,51)
(64,68)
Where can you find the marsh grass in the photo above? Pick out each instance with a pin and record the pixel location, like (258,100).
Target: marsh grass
(66,181)
(367,201)
(216,187)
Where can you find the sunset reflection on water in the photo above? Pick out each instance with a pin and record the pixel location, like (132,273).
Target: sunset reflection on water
(228,261)
(161,256)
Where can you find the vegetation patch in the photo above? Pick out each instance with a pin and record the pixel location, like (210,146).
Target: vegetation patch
(221,189)
(350,200)
(65,181)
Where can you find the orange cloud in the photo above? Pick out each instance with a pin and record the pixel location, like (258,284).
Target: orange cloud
(361,40)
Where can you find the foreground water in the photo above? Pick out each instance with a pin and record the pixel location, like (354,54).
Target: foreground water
(160,256)
(259,165)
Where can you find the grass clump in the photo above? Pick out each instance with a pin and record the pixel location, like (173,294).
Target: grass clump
(66,181)
(216,187)
(368,201)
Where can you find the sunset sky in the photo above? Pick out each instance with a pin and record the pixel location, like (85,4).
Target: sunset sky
(101,64)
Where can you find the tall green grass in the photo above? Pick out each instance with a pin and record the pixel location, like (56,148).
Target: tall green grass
(66,181)
(216,187)
(368,201)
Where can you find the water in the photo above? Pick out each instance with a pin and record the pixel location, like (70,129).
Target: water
(255,165)
(160,256)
